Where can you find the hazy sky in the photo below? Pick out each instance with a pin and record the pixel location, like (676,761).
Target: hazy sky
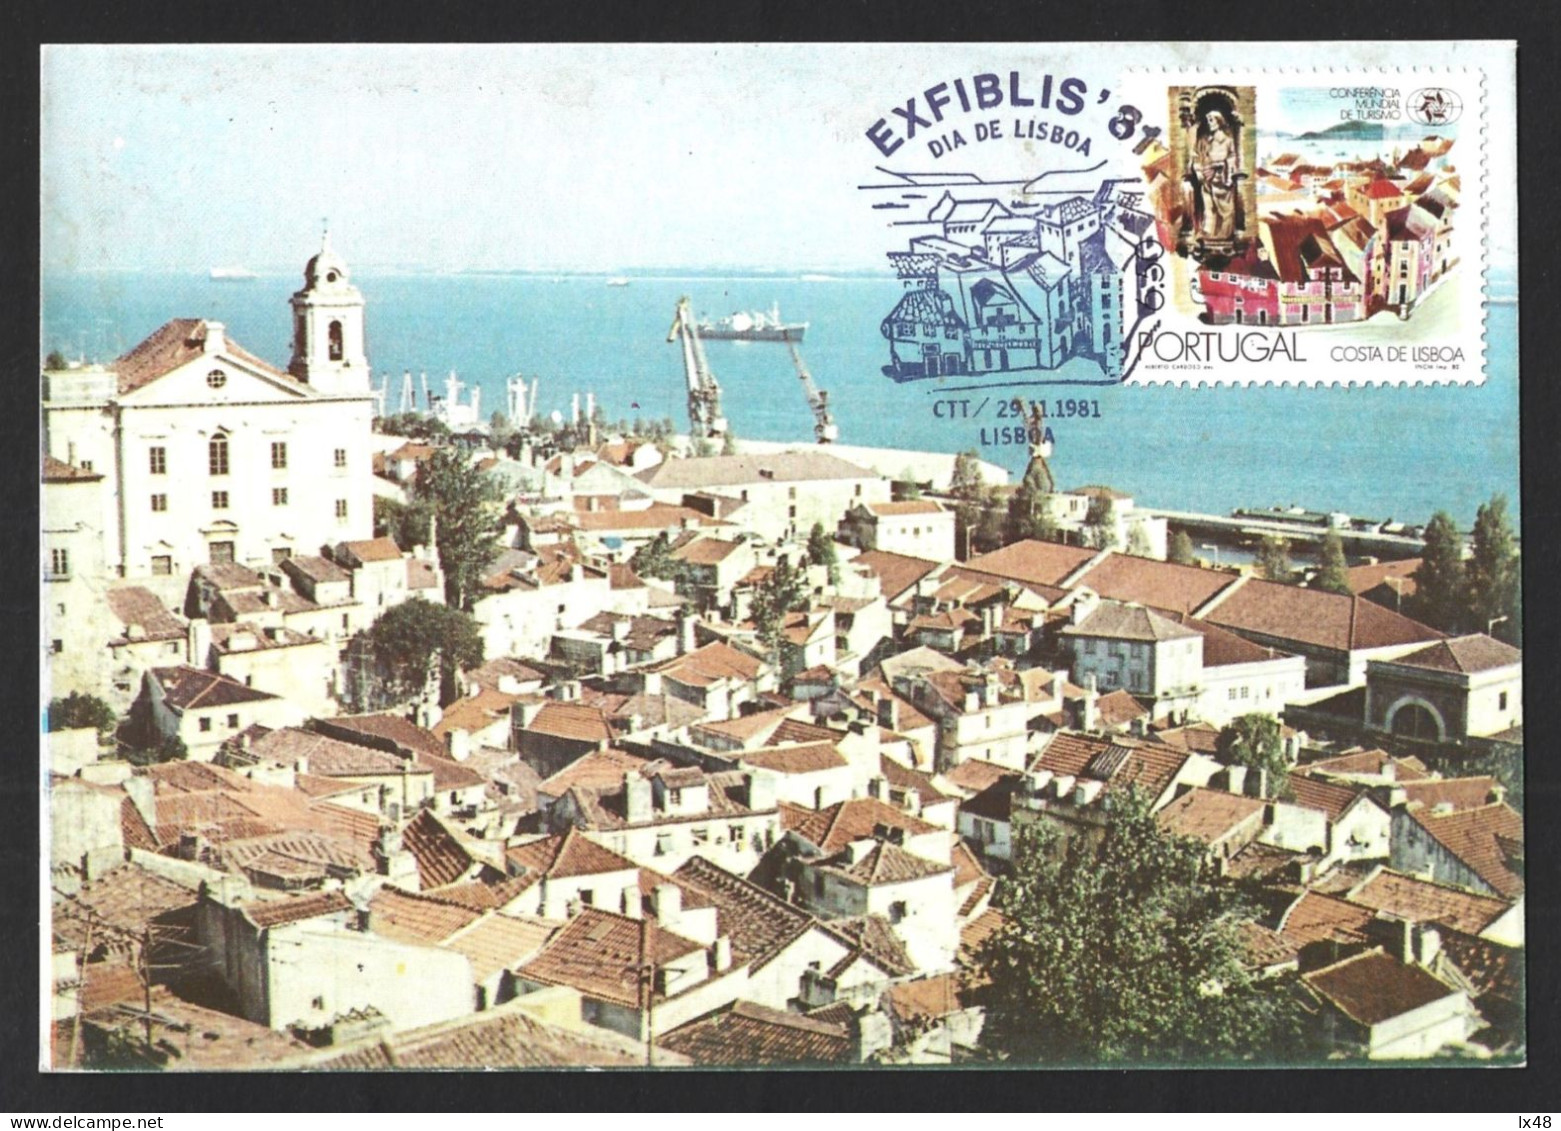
(580,157)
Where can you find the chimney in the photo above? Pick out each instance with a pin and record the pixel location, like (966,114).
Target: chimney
(878,789)
(760,791)
(988,621)
(1428,943)
(620,629)
(1389,770)
(216,338)
(473,689)
(989,689)
(685,633)
(458,744)
(633,908)
(889,712)
(1397,796)
(1091,719)
(636,799)
(199,642)
(1235,779)
(972,702)
(721,955)
(666,904)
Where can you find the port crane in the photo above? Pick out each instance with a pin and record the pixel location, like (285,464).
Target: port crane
(824,427)
(704,392)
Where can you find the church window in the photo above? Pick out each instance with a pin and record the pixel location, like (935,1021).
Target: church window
(159,503)
(59,563)
(341,457)
(334,337)
(216,379)
(217,455)
(278,455)
(219,500)
(341,510)
(162,565)
(279,496)
(221,553)
(158,460)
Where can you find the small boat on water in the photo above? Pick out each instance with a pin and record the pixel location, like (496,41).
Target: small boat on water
(753,326)
(617,281)
(233,274)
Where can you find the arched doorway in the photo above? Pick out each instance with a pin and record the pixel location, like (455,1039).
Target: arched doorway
(1416,720)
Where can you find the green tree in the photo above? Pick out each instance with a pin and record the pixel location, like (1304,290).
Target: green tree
(55,360)
(1493,574)
(407,524)
(1100,524)
(991,522)
(500,430)
(654,558)
(729,443)
(821,552)
(1138,542)
(76,710)
(966,481)
(906,487)
(702,448)
(1273,560)
(169,749)
(1117,948)
(404,640)
(463,500)
(1440,581)
(1028,515)
(1334,574)
(1255,740)
(783,591)
(1180,550)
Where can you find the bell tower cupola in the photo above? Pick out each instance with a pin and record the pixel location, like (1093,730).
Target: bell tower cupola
(328,327)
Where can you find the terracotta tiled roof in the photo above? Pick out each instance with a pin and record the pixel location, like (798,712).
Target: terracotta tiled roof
(476,712)
(759,924)
(178,342)
(500,942)
(186,688)
(1372,987)
(808,758)
(1425,901)
(1210,815)
(884,863)
(1467,654)
(1044,563)
(420,919)
(600,954)
(108,983)
(976,775)
(441,857)
(1364,578)
(489,674)
(924,1000)
(1263,946)
(714,661)
(1150,767)
(58,471)
(903,778)
(1222,647)
(1484,839)
(731,471)
(374,550)
(908,506)
(1118,621)
(133,605)
(1312,616)
(572,720)
(1202,738)
(706,551)
(598,769)
(1313,793)
(505,1037)
(1314,917)
(976,932)
(570,854)
(1460,793)
(1488,967)
(745,1034)
(328,757)
(1368,763)
(1120,707)
(872,938)
(895,572)
(125,898)
(833,828)
(995,802)
(293,909)
(315,568)
(133,828)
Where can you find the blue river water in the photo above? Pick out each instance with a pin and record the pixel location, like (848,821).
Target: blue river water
(1378,452)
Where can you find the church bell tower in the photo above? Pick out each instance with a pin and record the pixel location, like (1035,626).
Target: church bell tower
(328,327)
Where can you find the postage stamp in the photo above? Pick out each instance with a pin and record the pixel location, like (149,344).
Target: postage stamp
(1228,225)
(914,554)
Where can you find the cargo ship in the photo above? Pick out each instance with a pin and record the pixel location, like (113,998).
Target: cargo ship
(753,326)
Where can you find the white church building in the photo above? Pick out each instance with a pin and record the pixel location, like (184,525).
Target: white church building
(209,454)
